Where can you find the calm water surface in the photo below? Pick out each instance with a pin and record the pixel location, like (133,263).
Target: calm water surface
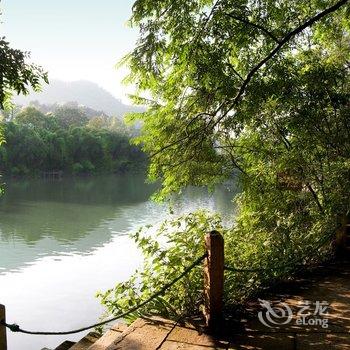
(62,241)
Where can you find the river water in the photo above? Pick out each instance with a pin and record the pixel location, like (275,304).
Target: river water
(62,241)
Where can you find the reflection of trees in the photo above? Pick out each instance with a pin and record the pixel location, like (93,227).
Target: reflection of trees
(89,190)
(65,222)
(73,215)
(40,218)
(66,210)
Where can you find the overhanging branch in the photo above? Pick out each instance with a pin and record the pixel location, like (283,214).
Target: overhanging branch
(255,25)
(278,48)
(281,43)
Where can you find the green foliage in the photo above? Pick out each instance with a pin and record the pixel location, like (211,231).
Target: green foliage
(276,232)
(70,116)
(37,142)
(180,241)
(33,117)
(258,89)
(16,75)
(201,64)
(174,247)
(100,122)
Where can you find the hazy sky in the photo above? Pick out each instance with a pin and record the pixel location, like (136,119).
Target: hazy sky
(72,39)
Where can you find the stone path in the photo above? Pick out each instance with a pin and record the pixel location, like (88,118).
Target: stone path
(329,284)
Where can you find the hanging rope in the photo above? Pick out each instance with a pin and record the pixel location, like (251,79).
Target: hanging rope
(18,329)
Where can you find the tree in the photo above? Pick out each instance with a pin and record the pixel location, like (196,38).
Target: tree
(32,116)
(70,116)
(257,89)
(238,85)
(35,142)
(16,75)
(98,122)
(253,88)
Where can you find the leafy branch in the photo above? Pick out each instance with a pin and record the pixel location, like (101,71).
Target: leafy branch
(281,43)
(255,25)
(277,49)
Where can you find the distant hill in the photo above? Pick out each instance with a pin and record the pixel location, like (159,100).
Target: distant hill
(83,92)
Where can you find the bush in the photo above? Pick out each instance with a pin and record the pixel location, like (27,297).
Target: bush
(77,168)
(174,246)
(88,167)
(178,242)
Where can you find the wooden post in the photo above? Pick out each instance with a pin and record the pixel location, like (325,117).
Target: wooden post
(3,341)
(214,280)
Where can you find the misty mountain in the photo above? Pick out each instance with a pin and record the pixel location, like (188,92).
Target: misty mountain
(83,92)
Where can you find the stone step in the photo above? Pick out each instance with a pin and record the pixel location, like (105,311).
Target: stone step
(86,342)
(66,345)
(109,337)
(143,334)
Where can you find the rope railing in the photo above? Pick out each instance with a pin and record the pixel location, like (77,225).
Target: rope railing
(16,328)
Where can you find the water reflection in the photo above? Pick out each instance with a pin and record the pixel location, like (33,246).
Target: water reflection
(40,218)
(62,241)
(66,210)
(77,215)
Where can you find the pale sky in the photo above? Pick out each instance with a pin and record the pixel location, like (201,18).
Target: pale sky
(73,39)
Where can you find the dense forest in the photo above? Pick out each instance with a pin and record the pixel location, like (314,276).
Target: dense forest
(66,138)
